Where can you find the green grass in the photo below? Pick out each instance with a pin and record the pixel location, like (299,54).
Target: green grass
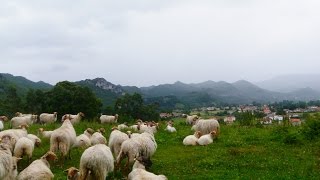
(271,152)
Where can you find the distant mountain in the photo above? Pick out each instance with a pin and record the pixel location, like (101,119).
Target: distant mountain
(290,83)
(21,83)
(103,89)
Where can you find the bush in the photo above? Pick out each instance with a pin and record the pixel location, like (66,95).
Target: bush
(293,138)
(311,130)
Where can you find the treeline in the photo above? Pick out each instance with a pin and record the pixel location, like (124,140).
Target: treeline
(66,97)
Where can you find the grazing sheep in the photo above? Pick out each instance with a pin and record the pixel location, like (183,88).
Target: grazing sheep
(18,121)
(130,148)
(25,146)
(39,169)
(48,118)
(138,172)
(44,134)
(8,163)
(207,139)
(98,138)
(72,173)
(2,119)
(190,119)
(109,119)
(83,141)
(205,126)
(96,162)
(123,126)
(170,127)
(192,140)
(151,127)
(63,138)
(116,139)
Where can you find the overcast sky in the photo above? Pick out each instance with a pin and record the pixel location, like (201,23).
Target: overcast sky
(151,42)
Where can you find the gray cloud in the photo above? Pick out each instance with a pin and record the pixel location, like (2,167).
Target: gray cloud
(152,42)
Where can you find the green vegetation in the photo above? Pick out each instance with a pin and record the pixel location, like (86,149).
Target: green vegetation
(240,152)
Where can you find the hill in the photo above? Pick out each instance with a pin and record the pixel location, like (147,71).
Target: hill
(22,84)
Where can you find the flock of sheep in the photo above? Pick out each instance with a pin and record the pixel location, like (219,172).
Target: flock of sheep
(100,156)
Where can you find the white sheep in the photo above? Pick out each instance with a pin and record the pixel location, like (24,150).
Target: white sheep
(8,163)
(83,140)
(109,118)
(25,146)
(192,140)
(207,139)
(72,173)
(138,172)
(96,162)
(15,134)
(18,121)
(123,126)
(144,143)
(73,118)
(98,138)
(39,169)
(116,139)
(205,126)
(44,134)
(190,119)
(48,118)
(63,138)
(170,127)
(2,119)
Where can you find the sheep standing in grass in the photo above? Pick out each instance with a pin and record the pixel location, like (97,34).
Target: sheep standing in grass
(2,119)
(25,146)
(190,119)
(14,135)
(8,164)
(18,121)
(98,138)
(192,140)
(207,139)
(116,139)
(39,169)
(130,148)
(123,126)
(83,140)
(63,138)
(95,163)
(109,119)
(138,172)
(76,118)
(45,118)
(205,126)
(44,134)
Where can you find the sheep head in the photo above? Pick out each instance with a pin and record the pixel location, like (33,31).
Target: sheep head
(72,173)
(81,114)
(198,134)
(3,118)
(101,130)
(50,156)
(23,126)
(90,131)
(213,133)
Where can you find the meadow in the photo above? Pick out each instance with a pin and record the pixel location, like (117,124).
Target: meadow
(255,152)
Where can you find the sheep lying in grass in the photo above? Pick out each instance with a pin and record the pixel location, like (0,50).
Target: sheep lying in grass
(63,138)
(138,172)
(190,119)
(25,146)
(39,169)
(8,163)
(109,119)
(191,140)
(116,139)
(205,126)
(95,163)
(48,118)
(44,134)
(170,127)
(207,139)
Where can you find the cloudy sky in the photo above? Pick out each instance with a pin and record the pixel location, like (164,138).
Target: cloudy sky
(151,42)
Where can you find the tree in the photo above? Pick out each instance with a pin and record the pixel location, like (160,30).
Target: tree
(67,97)
(133,107)
(12,102)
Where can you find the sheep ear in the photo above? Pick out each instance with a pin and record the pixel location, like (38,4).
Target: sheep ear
(67,170)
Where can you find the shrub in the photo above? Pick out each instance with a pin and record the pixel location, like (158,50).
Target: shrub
(311,129)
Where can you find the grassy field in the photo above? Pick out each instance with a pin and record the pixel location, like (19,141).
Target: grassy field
(272,152)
